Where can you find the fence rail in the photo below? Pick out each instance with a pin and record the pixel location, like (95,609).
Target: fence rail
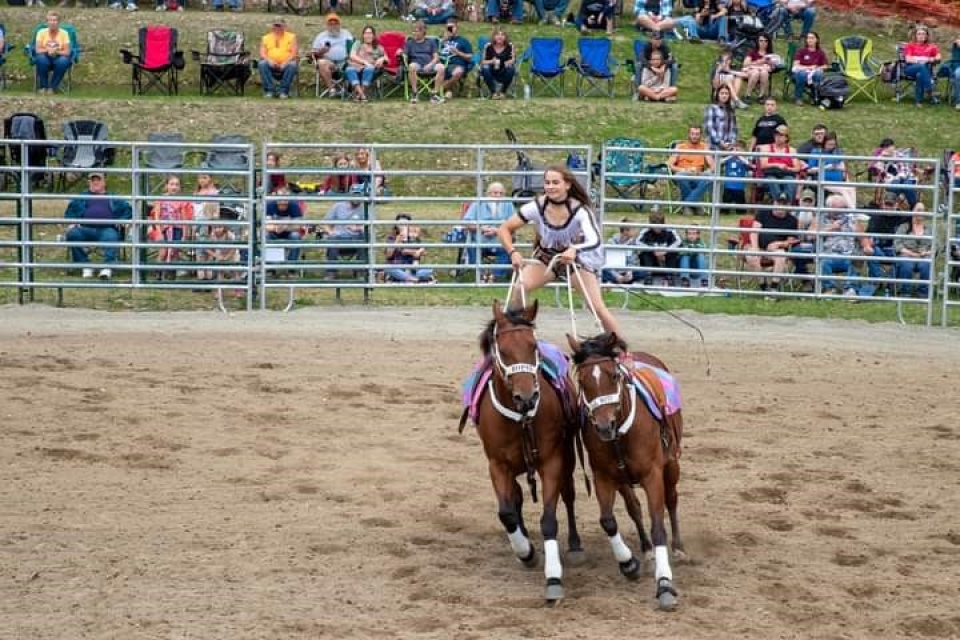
(239,238)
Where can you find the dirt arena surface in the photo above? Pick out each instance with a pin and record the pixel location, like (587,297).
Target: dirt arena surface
(194,475)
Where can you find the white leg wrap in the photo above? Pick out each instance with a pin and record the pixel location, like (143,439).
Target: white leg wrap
(663,563)
(551,560)
(519,543)
(620,550)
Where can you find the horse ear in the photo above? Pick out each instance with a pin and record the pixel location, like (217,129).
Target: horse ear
(574,344)
(531,312)
(613,342)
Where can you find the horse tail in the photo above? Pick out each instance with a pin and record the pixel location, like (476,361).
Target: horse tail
(463,419)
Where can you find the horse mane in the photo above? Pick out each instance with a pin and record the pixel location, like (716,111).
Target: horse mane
(599,346)
(513,316)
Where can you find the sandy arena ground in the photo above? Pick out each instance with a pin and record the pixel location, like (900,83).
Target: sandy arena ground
(193,475)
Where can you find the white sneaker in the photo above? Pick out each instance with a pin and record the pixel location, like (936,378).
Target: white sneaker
(105,274)
(115,5)
(132,7)
(87,273)
(161,7)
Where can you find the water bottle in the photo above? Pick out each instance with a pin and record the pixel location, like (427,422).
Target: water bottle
(526,91)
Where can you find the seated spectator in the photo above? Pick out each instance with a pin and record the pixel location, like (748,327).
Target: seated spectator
(277,180)
(780,165)
(367,172)
(720,120)
(97,222)
(330,54)
(711,19)
(487,217)
(168,213)
(341,182)
(457,55)
(434,11)
(283,223)
(765,128)
(404,252)
(826,165)
(759,65)
(494,13)
(345,224)
(738,166)
(551,16)
(921,57)
(816,141)
(657,247)
(657,16)
(916,242)
(725,73)
(880,242)
(893,168)
(52,60)
(801,10)
(837,250)
(626,236)
(278,59)
(655,81)
(955,179)
(693,259)
(423,58)
(367,58)
(498,65)
(953,73)
(691,159)
(654,44)
(163,5)
(596,15)
(221,233)
(207,210)
(775,231)
(809,63)
(806,224)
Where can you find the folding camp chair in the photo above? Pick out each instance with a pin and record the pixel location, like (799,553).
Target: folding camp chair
(391,78)
(31,52)
(25,126)
(84,157)
(635,66)
(595,67)
(158,63)
(425,81)
(896,72)
(162,160)
(4,50)
(626,171)
(219,160)
(225,64)
(544,56)
(854,60)
(339,76)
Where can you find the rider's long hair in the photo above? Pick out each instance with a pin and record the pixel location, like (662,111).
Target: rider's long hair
(577,192)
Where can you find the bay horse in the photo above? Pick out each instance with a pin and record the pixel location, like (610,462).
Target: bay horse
(627,445)
(527,427)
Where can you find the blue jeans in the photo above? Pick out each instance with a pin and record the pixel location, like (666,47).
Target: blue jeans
(334,254)
(50,70)
(955,84)
(832,265)
(234,4)
(778,186)
(691,188)
(606,16)
(437,18)
(503,76)
(800,83)
(92,234)
(714,30)
(493,10)
(806,16)
(688,24)
(905,271)
(697,262)
(292,255)
(408,275)
(875,270)
(287,73)
(801,265)
(558,10)
(363,77)
(922,80)
(908,193)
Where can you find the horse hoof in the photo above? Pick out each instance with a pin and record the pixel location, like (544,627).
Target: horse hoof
(631,568)
(666,594)
(554,591)
(679,555)
(576,558)
(531,561)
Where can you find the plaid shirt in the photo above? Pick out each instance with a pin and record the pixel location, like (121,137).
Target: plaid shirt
(666,8)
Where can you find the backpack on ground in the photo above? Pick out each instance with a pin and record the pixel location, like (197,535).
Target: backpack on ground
(833,91)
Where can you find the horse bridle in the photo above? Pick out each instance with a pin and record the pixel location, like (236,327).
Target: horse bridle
(506,371)
(611,398)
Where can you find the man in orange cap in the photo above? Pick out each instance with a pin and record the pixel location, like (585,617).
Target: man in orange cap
(330,53)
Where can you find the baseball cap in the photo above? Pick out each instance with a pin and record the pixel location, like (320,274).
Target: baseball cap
(332,17)
(783,197)
(96,174)
(808,194)
(889,197)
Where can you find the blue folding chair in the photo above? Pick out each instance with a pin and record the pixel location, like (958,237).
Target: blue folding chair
(4,50)
(545,59)
(30,51)
(595,67)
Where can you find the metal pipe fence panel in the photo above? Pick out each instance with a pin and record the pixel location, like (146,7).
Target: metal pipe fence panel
(951,246)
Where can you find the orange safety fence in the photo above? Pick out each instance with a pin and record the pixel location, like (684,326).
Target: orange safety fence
(945,12)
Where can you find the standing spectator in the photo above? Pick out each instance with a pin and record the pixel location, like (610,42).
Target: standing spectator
(914,241)
(168,213)
(487,215)
(780,165)
(278,57)
(809,64)
(657,249)
(657,16)
(759,64)
(921,57)
(725,73)
(423,56)
(367,58)
(815,142)
(655,81)
(737,167)
(690,160)
(720,120)
(498,65)
(404,252)
(693,260)
(711,20)
(766,125)
(283,219)
(457,54)
(329,54)
(98,219)
(775,231)
(52,59)
(801,10)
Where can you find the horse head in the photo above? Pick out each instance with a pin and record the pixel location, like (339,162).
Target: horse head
(511,343)
(600,378)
